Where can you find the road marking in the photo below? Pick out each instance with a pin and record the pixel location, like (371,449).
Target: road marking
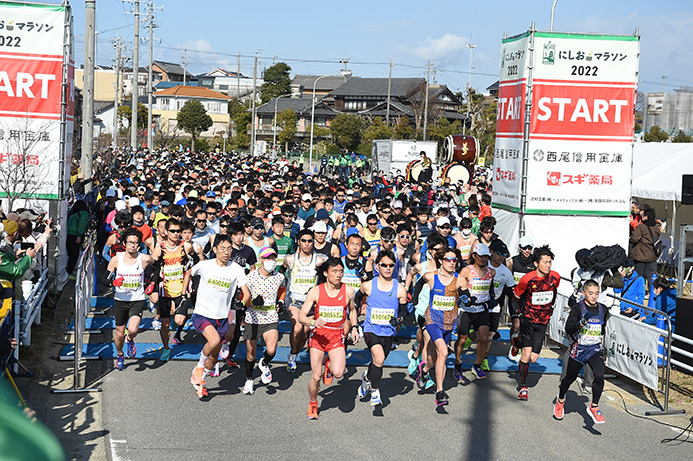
(119,449)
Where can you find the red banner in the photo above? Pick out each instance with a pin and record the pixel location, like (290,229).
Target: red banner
(30,86)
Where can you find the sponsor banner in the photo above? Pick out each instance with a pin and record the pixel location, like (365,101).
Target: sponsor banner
(31,77)
(632,350)
(586,177)
(507,177)
(561,310)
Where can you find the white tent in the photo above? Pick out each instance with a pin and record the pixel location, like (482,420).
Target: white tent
(658,167)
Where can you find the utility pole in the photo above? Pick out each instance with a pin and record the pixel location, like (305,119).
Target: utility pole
(428,77)
(389,83)
(135,77)
(252,123)
(471,47)
(345,61)
(150,76)
(88,101)
(238,78)
(119,45)
(185,64)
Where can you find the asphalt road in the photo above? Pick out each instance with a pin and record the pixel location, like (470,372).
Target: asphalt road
(151,412)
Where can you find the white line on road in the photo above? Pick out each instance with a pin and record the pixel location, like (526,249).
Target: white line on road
(119,449)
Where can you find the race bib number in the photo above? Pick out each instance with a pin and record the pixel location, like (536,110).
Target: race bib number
(280,260)
(219,285)
(352,281)
(264,308)
(517,276)
(541,298)
(478,287)
(131,283)
(592,332)
(465,250)
(381,316)
(331,313)
(173,272)
(443,303)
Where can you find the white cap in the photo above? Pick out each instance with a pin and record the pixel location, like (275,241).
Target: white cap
(120,205)
(134,201)
(440,222)
(481,249)
(526,241)
(319,226)
(307,198)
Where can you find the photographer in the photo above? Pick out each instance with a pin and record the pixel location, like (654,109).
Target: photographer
(13,263)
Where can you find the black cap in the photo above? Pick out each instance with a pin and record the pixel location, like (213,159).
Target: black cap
(499,247)
(257,222)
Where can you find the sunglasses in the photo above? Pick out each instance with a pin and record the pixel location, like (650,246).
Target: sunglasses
(233,209)
(372,223)
(450,260)
(259,227)
(386,266)
(387,241)
(173,231)
(306,240)
(446,227)
(223,226)
(526,247)
(201,220)
(404,236)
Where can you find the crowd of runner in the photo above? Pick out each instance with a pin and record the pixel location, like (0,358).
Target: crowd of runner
(239,242)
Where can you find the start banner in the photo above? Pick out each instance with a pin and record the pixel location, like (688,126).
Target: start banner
(36,101)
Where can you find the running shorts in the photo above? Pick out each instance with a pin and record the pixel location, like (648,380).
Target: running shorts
(123,310)
(532,334)
(326,339)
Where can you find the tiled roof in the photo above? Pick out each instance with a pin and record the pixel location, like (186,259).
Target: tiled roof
(302,106)
(192,92)
(170,67)
(324,84)
(399,88)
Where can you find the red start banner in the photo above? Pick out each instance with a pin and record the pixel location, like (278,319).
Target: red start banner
(30,86)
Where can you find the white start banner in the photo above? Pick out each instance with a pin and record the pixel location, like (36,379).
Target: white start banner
(578,145)
(632,350)
(581,130)
(33,160)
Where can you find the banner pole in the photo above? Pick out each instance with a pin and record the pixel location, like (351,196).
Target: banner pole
(525,132)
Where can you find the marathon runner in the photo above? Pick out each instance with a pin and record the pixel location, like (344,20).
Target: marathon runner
(219,279)
(126,271)
(385,310)
(330,302)
(536,293)
(519,265)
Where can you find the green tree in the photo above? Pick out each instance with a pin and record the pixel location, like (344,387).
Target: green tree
(656,135)
(193,119)
(286,121)
(240,119)
(376,130)
(319,131)
(277,82)
(125,114)
(347,130)
(442,128)
(403,129)
(681,137)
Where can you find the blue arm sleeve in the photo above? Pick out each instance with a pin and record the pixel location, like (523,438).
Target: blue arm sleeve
(106,253)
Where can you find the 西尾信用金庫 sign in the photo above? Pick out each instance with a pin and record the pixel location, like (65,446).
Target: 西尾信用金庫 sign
(578,142)
(36,99)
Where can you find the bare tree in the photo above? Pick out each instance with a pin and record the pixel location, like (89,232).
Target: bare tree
(26,164)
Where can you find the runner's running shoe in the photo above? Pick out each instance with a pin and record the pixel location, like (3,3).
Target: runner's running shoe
(165,355)
(198,381)
(421,376)
(232,364)
(224,352)
(327,376)
(365,385)
(413,363)
(558,409)
(177,340)
(478,372)
(457,372)
(523,395)
(215,371)
(291,363)
(441,398)
(467,343)
(266,375)
(130,348)
(156,324)
(484,365)
(596,414)
(120,363)
(248,388)
(312,410)
(375,397)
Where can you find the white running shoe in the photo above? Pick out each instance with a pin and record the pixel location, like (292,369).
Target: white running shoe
(248,388)
(266,373)
(291,363)
(224,353)
(156,324)
(375,397)
(365,385)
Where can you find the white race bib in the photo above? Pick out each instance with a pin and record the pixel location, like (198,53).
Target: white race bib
(380,316)
(331,314)
(443,303)
(541,298)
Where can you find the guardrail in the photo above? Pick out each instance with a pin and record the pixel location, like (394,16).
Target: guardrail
(84,287)
(667,336)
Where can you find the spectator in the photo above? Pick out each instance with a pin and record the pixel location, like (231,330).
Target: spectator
(13,264)
(77,222)
(665,301)
(643,240)
(633,290)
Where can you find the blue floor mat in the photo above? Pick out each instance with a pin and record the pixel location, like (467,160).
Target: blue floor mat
(356,356)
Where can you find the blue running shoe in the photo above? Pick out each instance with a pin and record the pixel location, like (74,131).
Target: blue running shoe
(413,363)
(165,355)
(120,363)
(457,372)
(130,349)
(478,372)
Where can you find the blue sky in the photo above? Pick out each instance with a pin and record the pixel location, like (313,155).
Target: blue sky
(313,36)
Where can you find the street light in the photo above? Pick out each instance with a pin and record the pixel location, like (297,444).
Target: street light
(345,74)
(553,10)
(471,47)
(274,128)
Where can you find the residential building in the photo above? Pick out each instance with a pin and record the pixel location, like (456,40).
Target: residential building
(671,111)
(168,102)
(264,120)
(302,85)
(142,78)
(228,82)
(104,82)
(170,72)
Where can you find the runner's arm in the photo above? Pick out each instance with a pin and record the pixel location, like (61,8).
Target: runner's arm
(353,314)
(311,300)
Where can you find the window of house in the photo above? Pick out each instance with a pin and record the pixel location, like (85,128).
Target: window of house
(320,121)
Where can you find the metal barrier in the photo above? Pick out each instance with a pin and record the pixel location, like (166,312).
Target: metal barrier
(6,325)
(84,287)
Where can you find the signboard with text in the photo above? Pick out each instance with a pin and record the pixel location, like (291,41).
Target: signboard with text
(32,56)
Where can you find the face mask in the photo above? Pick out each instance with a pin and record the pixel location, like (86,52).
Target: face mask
(138,223)
(466,232)
(269,265)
